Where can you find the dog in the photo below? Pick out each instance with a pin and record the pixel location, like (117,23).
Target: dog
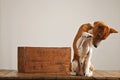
(100,31)
(84,46)
(75,67)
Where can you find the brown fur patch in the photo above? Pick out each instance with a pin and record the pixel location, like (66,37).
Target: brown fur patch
(101,31)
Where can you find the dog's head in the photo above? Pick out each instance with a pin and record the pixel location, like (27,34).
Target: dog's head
(100,32)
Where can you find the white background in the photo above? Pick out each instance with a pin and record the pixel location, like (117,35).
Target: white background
(54,23)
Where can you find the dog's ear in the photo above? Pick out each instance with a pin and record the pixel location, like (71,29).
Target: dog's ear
(113,30)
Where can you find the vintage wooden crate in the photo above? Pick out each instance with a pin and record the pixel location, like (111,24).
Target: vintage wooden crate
(44,59)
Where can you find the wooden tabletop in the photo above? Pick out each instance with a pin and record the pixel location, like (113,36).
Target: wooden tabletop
(98,75)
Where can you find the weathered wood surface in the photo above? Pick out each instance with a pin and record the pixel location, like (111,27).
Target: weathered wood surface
(98,75)
(44,59)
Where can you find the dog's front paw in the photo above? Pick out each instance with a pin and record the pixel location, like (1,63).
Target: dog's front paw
(73,73)
(89,74)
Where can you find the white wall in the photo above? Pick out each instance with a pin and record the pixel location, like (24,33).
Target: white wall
(55,23)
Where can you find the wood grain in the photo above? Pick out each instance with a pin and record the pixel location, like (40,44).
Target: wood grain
(98,75)
(44,59)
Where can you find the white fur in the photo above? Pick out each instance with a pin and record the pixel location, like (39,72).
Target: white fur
(84,46)
(74,67)
(88,64)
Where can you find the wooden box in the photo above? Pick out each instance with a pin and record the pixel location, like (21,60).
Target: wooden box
(44,59)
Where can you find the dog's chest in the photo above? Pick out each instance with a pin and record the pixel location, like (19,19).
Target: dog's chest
(85,48)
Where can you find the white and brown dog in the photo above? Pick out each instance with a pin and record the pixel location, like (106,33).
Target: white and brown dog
(84,46)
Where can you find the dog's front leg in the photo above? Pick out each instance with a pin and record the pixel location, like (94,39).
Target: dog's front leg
(88,63)
(74,67)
